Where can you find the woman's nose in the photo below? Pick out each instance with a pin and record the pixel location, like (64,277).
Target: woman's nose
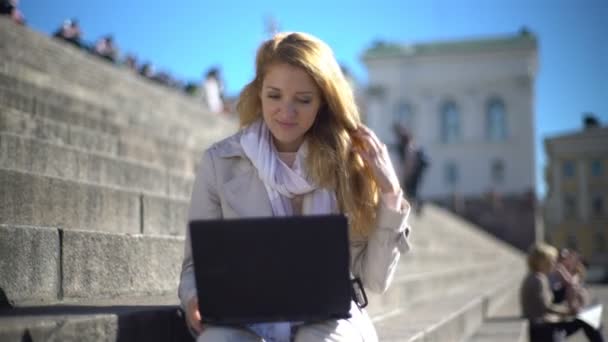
(289,109)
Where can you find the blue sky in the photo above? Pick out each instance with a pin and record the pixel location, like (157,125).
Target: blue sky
(187,37)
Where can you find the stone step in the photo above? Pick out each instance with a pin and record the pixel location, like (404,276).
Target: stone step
(68,99)
(127,143)
(45,266)
(30,199)
(503,322)
(441,227)
(50,62)
(57,58)
(49,159)
(422,258)
(122,319)
(48,102)
(453,317)
(501,330)
(411,287)
(459,315)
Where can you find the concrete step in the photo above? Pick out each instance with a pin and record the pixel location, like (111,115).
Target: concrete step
(30,199)
(443,318)
(52,265)
(67,67)
(73,63)
(48,102)
(32,155)
(125,143)
(123,319)
(442,228)
(503,321)
(419,285)
(71,100)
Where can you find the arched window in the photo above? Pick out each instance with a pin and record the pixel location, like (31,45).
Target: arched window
(498,171)
(404,115)
(451,174)
(496,120)
(450,122)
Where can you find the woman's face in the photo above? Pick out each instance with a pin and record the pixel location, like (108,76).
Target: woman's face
(290,103)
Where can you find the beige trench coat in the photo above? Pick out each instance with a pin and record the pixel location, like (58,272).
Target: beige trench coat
(227,186)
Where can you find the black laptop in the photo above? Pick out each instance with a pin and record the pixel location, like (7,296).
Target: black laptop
(272,269)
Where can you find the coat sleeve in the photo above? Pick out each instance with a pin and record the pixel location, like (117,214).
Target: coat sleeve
(204,204)
(374,261)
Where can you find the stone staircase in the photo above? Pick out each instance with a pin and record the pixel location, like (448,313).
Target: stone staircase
(96,168)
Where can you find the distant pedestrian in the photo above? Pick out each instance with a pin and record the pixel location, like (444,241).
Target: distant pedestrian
(415,162)
(213,91)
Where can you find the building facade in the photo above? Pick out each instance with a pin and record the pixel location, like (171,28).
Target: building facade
(470,105)
(576,213)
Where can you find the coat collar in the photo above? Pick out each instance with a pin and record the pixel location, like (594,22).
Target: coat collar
(231,146)
(245,193)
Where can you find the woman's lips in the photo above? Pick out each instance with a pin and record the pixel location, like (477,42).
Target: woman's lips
(287,124)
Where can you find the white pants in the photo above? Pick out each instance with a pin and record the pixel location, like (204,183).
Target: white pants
(358,328)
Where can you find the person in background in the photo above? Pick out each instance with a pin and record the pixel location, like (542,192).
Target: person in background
(302,150)
(414,161)
(213,91)
(131,62)
(548,321)
(106,49)
(147,70)
(70,32)
(11,8)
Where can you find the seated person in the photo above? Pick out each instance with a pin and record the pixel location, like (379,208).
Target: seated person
(548,321)
(70,32)
(9,8)
(105,48)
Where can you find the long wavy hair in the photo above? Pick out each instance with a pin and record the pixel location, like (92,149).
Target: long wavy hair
(331,161)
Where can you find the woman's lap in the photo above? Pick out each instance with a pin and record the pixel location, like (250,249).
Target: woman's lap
(328,331)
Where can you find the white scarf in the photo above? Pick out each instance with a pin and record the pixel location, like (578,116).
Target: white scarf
(283,183)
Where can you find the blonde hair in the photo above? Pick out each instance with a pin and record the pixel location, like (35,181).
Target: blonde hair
(331,162)
(539,253)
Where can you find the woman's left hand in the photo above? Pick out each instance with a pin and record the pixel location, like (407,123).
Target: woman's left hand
(375,154)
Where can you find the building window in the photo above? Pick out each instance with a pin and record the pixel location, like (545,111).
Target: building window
(597,206)
(597,168)
(498,171)
(569,206)
(450,122)
(496,120)
(451,175)
(568,169)
(404,115)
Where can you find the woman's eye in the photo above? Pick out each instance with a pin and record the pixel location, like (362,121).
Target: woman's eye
(304,101)
(273,96)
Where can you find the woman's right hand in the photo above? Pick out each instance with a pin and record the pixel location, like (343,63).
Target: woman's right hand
(193,316)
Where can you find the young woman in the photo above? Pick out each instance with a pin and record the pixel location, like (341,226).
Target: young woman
(302,150)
